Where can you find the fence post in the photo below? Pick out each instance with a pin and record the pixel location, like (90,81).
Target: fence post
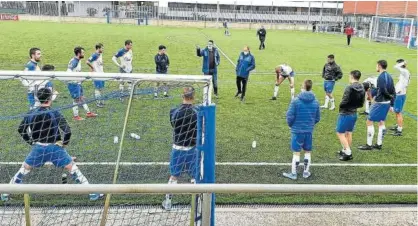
(59,11)
(39,8)
(272,14)
(251,13)
(26,199)
(355,15)
(410,34)
(217,14)
(206,209)
(309,15)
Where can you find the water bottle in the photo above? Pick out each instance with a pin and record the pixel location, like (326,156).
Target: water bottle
(135,136)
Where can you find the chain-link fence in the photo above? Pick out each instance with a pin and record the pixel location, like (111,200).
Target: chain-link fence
(325,16)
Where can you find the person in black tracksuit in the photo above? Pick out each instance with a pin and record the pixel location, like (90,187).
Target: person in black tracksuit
(353,98)
(161,66)
(261,33)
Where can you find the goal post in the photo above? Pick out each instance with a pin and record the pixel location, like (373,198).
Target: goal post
(401,31)
(130,141)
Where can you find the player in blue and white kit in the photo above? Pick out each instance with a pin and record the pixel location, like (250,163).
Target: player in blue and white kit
(183,154)
(33,85)
(75,88)
(284,71)
(125,55)
(380,108)
(48,133)
(95,62)
(400,88)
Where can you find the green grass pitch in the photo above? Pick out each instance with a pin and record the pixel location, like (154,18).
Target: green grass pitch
(237,124)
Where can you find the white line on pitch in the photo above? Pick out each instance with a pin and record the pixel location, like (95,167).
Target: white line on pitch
(236,164)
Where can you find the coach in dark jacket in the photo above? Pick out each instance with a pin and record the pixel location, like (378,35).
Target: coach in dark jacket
(261,33)
(161,60)
(211,60)
(353,98)
(330,73)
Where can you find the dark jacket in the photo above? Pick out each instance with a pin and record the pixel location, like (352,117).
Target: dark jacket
(161,63)
(261,33)
(205,54)
(246,63)
(184,122)
(353,98)
(45,126)
(332,72)
(385,88)
(303,113)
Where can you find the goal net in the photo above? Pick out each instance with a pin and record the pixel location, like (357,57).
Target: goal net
(130,141)
(394,30)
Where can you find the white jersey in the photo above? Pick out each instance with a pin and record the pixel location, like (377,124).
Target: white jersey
(286,69)
(74,66)
(126,57)
(33,85)
(96,61)
(403,81)
(372,80)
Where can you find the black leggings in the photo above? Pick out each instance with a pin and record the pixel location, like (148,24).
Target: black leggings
(348,39)
(242,85)
(262,45)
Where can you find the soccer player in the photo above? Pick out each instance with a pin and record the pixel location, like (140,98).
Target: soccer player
(378,111)
(75,88)
(349,31)
(400,88)
(246,63)
(302,115)
(284,71)
(331,73)
(161,66)
(225,24)
(48,133)
(353,98)
(33,65)
(211,60)
(183,154)
(125,55)
(369,85)
(48,67)
(262,33)
(95,62)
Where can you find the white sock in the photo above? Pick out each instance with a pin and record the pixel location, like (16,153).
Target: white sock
(347,151)
(332,102)
(370,135)
(18,177)
(86,108)
(170,196)
(307,162)
(367,103)
(75,109)
(326,101)
(382,131)
(292,93)
(276,90)
(97,95)
(77,176)
(165,93)
(121,87)
(295,163)
(399,129)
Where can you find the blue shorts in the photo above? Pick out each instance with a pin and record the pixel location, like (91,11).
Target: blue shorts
(51,153)
(329,86)
(346,123)
(378,112)
(301,141)
(99,84)
(48,85)
(31,99)
(291,74)
(399,103)
(76,90)
(184,161)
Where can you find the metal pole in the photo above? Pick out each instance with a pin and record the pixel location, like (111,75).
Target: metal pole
(251,13)
(217,14)
(26,199)
(59,11)
(322,6)
(410,34)
(39,8)
(115,174)
(406,9)
(206,209)
(272,14)
(355,17)
(309,15)
(371,29)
